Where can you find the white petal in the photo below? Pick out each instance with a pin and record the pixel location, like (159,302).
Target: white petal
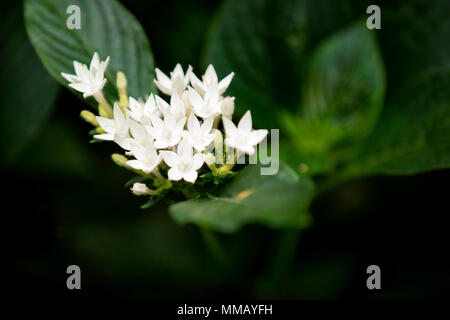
(228,125)
(170,158)
(191,176)
(197,160)
(245,124)
(174,174)
(178,70)
(184,150)
(106,124)
(211,74)
(207,125)
(164,89)
(81,87)
(105,136)
(118,114)
(162,78)
(95,62)
(193,124)
(256,136)
(195,98)
(225,82)
(136,164)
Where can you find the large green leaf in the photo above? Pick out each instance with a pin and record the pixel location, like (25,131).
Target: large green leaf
(343,93)
(277,201)
(413,133)
(106,27)
(28,93)
(261,41)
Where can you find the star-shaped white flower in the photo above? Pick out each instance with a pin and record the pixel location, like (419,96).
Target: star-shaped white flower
(177,82)
(210,79)
(176,107)
(242,137)
(167,132)
(207,106)
(140,134)
(116,129)
(147,159)
(183,164)
(199,136)
(88,81)
(141,112)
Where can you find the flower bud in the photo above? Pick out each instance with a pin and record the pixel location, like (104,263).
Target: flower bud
(89,117)
(102,112)
(218,145)
(120,160)
(122,89)
(140,189)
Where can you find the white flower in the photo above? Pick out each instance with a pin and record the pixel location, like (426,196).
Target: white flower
(243,138)
(210,79)
(167,132)
(116,129)
(88,81)
(209,105)
(176,107)
(141,112)
(140,134)
(147,159)
(199,136)
(177,82)
(140,189)
(183,164)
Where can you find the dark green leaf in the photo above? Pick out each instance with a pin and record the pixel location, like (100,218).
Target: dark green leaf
(277,201)
(28,93)
(261,41)
(106,27)
(413,132)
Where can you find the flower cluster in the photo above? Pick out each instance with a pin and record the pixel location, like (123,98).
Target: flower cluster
(167,140)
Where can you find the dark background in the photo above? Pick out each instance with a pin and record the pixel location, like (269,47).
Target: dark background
(64,202)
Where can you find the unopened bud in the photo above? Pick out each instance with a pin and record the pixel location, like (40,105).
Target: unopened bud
(89,117)
(122,88)
(140,189)
(218,145)
(121,81)
(120,160)
(102,112)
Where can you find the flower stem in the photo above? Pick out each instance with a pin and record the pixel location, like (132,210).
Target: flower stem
(102,101)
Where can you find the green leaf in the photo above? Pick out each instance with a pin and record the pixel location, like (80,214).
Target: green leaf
(28,93)
(343,94)
(106,27)
(413,132)
(261,41)
(277,201)
(425,46)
